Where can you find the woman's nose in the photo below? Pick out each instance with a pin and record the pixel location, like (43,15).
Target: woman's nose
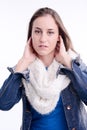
(43,37)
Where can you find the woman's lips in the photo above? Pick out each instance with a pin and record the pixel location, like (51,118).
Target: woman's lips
(42,46)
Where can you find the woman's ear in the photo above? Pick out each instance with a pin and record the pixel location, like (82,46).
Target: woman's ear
(59,38)
(57,45)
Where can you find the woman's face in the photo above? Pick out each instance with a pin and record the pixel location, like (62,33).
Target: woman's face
(44,35)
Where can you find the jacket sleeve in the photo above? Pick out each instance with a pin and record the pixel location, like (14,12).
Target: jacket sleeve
(78,77)
(10,92)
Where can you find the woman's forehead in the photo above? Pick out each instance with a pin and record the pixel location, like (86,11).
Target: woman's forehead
(45,21)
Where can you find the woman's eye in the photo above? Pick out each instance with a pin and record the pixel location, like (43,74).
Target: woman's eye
(50,33)
(37,31)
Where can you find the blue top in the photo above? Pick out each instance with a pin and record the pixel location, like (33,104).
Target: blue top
(52,121)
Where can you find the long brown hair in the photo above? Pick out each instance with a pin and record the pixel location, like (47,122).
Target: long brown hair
(62,30)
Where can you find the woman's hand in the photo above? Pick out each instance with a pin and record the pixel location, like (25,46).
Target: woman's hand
(27,58)
(61,54)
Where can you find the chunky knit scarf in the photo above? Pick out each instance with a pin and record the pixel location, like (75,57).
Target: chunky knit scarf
(44,86)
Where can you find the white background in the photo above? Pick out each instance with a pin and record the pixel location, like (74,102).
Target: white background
(14,18)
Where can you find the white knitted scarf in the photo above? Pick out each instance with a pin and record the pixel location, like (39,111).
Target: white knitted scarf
(44,86)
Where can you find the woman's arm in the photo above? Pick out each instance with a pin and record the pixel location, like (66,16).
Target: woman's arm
(74,68)
(78,76)
(11,91)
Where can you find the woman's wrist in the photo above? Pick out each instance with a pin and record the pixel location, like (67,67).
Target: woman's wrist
(67,60)
(22,65)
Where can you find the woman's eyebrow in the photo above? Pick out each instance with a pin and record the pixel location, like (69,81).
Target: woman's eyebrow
(50,29)
(38,28)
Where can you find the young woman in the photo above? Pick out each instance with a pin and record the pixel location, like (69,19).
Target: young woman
(50,78)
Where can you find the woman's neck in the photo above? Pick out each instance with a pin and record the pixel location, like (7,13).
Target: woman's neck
(47,60)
